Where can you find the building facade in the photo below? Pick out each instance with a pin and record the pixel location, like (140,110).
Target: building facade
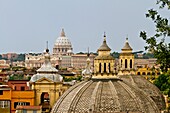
(126,60)
(47,84)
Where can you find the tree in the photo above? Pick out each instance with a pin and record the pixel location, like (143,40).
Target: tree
(156,43)
(163,83)
(115,54)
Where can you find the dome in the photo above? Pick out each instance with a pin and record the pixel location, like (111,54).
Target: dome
(104,46)
(106,92)
(107,95)
(47,71)
(126,46)
(62,45)
(51,77)
(63,40)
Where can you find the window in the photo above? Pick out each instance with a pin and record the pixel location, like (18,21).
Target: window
(138,73)
(21,104)
(100,66)
(104,67)
(22,88)
(109,67)
(4,104)
(1,92)
(130,63)
(143,73)
(148,73)
(125,63)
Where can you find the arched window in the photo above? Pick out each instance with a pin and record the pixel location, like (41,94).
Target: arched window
(143,73)
(104,67)
(138,73)
(125,63)
(148,73)
(109,67)
(100,67)
(121,62)
(44,97)
(130,63)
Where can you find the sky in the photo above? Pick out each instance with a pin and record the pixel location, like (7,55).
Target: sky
(26,25)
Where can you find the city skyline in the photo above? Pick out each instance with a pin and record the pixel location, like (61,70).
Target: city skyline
(25,26)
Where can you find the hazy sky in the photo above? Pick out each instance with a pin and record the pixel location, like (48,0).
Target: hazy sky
(26,25)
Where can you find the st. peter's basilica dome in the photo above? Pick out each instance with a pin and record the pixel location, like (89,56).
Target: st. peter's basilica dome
(62,45)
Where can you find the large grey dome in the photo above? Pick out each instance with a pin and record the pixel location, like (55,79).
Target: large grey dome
(108,95)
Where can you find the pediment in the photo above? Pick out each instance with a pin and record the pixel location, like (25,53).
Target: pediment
(44,80)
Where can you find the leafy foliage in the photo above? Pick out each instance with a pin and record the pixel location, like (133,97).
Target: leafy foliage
(156,43)
(78,78)
(148,55)
(115,54)
(163,83)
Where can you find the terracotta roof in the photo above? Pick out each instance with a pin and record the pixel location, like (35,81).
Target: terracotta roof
(29,107)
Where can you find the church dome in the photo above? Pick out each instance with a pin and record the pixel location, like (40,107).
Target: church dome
(105,95)
(47,71)
(64,41)
(104,46)
(62,44)
(126,46)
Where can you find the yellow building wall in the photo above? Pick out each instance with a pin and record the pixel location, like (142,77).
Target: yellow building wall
(126,70)
(97,63)
(22,96)
(6,95)
(53,89)
(148,73)
(129,57)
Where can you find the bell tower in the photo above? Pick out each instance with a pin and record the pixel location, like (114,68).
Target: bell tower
(126,60)
(104,62)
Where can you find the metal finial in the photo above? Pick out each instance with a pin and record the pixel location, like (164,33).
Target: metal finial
(127,37)
(47,50)
(62,33)
(104,36)
(47,44)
